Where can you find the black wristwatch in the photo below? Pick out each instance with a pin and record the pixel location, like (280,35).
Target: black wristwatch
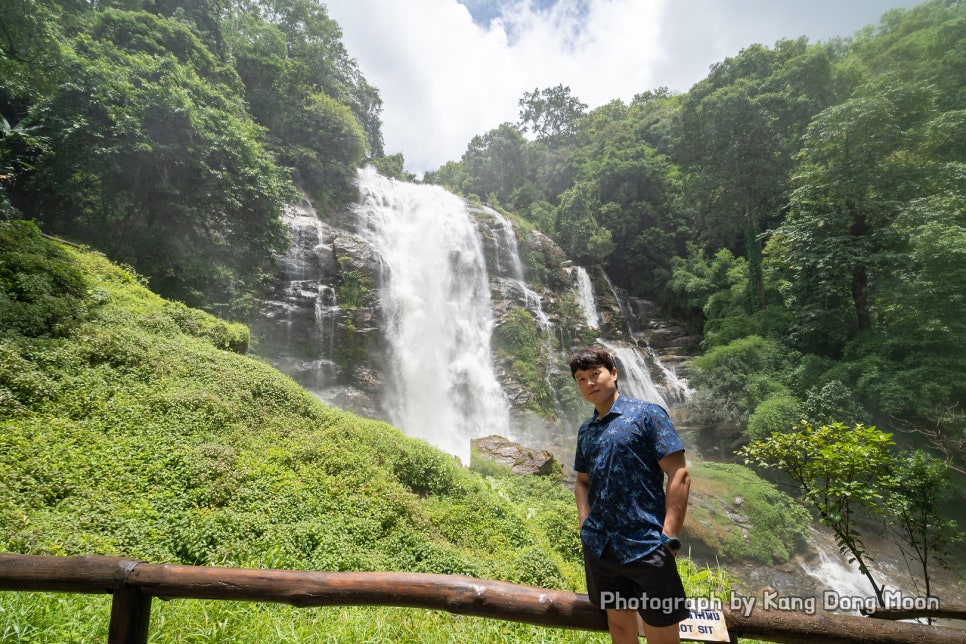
(673,543)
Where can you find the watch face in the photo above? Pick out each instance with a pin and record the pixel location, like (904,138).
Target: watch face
(674,543)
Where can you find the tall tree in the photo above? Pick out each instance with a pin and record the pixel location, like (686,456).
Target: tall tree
(740,131)
(919,487)
(850,185)
(319,61)
(552,113)
(156,165)
(495,162)
(297,73)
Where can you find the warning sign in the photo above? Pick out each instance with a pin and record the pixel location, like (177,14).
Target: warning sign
(705,624)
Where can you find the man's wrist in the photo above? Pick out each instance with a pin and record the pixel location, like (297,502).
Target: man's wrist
(671,543)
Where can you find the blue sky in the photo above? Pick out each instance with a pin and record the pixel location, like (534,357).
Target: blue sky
(451,69)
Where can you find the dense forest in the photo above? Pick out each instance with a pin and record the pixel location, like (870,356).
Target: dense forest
(170,134)
(804,205)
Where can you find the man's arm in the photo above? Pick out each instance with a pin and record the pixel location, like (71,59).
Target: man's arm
(677,492)
(582,492)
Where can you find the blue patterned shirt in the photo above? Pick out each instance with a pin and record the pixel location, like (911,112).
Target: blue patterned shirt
(620,454)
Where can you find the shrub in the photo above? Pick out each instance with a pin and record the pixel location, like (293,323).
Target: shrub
(41,291)
(741,375)
(777,414)
(224,335)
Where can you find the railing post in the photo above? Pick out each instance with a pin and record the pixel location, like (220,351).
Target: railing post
(130,616)
(130,609)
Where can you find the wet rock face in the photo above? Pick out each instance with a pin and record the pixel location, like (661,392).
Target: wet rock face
(520,459)
(304,328)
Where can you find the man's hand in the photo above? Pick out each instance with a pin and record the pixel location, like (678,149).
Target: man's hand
(582,494)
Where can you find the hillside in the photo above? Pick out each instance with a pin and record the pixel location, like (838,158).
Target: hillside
(130,427)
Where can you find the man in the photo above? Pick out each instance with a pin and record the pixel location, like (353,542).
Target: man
(629,523)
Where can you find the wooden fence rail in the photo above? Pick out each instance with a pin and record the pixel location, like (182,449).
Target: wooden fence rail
(133,584)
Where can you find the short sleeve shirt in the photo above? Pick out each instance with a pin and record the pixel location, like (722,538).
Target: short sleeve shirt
(620,454)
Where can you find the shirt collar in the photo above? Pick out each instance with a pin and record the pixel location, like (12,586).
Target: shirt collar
(615,410)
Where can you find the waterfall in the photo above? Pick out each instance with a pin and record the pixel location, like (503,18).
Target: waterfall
(507,252)
(302,314)
(417,351)
(633,374)
(835,573)
(676,388)
(585,296)
(507,249)
(621,307)
(436,303)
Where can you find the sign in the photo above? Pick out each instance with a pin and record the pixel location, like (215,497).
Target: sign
(705,624)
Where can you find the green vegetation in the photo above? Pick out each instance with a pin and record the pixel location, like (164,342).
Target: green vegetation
(353,286)
(75,618)
(804,203)
(136,433)
(41,291)
(741,516)
(847,474)
(518,340)
(169,135)
(805,198)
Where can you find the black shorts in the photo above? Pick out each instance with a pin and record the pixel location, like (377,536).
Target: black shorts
(650,585)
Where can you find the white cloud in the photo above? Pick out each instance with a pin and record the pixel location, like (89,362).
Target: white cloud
(444,78)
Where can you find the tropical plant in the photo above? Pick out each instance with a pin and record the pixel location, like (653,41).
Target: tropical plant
(839,470)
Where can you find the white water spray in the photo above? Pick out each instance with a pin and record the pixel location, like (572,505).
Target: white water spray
(636,363)
(436,301)
(633,374)
(585,296)
(510,268)
(833,571)
(507,250)
(312,365)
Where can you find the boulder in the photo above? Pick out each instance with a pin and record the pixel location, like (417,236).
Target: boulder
(520,459)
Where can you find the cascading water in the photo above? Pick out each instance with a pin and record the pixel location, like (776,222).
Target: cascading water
(636,367)
(417,351)
(303,314)
(436,302)
(834,572)
(633,374)
(507,249)
(585,296)
(510,268)
(422,355)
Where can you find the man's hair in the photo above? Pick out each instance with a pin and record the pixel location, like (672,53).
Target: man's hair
(591,358)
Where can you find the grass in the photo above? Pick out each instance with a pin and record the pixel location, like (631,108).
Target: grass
(736,513)
(53,617)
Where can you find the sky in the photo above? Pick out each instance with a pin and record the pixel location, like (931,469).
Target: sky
(448,70)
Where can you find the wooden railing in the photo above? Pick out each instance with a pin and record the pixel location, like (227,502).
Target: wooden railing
(134,583)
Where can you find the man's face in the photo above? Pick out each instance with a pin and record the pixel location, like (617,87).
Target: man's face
(597,384)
